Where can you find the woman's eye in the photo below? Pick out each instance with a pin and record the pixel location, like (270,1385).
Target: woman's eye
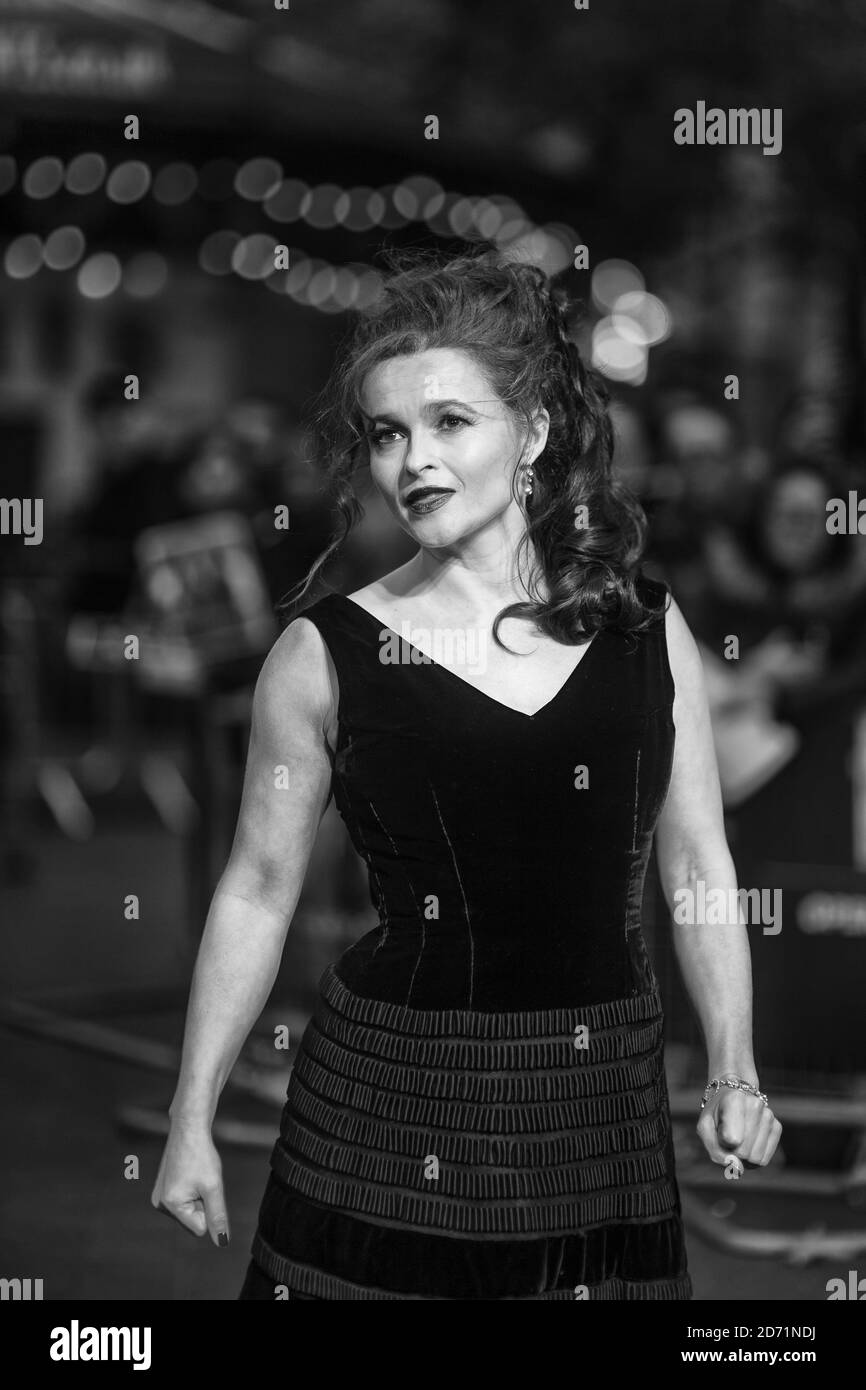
(380,439)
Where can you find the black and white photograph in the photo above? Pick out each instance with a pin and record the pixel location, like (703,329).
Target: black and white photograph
(433,664)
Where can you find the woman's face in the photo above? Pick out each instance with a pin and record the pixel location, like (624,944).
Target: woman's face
(443,447)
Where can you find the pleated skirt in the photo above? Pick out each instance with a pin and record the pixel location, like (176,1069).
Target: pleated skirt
(454,1154)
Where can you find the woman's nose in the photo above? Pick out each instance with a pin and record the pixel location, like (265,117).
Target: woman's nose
(421,451)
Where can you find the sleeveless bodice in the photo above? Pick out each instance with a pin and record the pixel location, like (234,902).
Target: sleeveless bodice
(506,852)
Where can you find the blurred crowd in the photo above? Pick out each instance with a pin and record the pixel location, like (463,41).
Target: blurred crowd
(775,599)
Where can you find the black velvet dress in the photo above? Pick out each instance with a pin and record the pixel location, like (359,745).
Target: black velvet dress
(478,1108)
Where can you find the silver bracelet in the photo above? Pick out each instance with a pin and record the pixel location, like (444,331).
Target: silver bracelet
(735,1085)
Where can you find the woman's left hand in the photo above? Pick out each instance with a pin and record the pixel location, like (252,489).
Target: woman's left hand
(737,1128)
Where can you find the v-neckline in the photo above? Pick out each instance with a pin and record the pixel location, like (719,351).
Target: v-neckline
(500,704)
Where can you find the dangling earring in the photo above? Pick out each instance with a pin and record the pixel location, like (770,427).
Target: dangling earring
(530,480)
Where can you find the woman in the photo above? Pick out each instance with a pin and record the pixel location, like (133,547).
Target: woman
(478,1108)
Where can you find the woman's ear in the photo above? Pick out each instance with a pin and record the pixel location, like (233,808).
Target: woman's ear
(536,439)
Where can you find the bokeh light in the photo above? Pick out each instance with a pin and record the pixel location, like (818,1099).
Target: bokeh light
(345,290)
(99,276)
(616,357)
(276,283)
(215,253)
(438,213)
(253,256)
(461,218)
(85,173)
(614,278)
(258,179)
(297,276)
(488,218)
(433,206)
(641,318)
(319,206)
(515,223)
(64,248)
(377,206)
(356,217)
(44,178)
(415,195)
(391,216)
(285,202)
(299,290)
(128,182)
(551,248)
(321,287)
(23,256)
(175,184)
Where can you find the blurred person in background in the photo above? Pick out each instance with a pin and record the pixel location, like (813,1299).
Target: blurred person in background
(700,483)
(254,461)
(794,595)
(134,485)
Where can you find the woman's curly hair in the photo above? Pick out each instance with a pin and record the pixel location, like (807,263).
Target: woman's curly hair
(585,531)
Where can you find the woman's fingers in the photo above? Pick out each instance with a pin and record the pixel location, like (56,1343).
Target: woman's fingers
(759,1134)
(189,1213)
(189,1186)
(771,1144)
(733,1123)
(204,1214)
(216,1216)
(739,1127)
(743,1124)
(709,1138)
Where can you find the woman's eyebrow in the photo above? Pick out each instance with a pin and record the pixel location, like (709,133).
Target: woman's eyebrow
(432,406)
(380,419)
(384,418)
(429,408)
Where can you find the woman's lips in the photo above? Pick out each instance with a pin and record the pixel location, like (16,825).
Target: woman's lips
(429,502)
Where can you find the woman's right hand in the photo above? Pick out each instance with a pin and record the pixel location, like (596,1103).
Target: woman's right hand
(189,1184)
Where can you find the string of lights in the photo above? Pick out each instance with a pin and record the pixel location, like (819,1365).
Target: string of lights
(631,320)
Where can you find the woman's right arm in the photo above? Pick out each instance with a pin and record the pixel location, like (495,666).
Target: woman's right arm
(286,791)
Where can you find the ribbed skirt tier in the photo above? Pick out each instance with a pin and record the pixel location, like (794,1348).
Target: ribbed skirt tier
(457,1154)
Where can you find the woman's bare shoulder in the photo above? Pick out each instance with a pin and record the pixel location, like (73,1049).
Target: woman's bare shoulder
(683,653)
(296,678)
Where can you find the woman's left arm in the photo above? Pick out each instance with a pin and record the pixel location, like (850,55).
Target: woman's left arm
(693,859)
